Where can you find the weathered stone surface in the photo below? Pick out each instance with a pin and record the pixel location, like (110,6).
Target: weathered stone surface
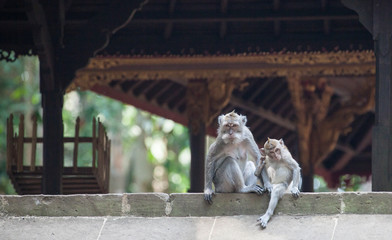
(178,228)
(367,203)
(146,204)
(49,228)
(310,203)
(224,204)
(363,226)
(193,204)
(280,227)
(67,205)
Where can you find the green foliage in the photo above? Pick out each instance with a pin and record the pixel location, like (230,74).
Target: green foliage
(19,94)
(351,183)
(165,143)
(320,185)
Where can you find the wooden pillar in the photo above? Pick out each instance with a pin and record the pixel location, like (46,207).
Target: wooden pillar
(53,147)
(318,127)
(382,130)
(377,18)
(197,102)
(205,100)
(197,146)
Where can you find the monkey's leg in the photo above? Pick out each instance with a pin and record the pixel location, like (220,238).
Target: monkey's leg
(224,179)
(249,177)
(277,193)
(229,178)
(250,180)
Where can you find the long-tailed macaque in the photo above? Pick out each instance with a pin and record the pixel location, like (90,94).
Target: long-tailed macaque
(280,170)
(228,166)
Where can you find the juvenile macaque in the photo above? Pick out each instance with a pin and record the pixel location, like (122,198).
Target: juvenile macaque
(279,172)
(228,166)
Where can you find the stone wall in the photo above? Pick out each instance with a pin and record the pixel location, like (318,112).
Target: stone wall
(192,204)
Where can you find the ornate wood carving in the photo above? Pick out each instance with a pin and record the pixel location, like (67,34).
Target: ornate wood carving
(319,129)
(206,98)
(102,70)
(197,104)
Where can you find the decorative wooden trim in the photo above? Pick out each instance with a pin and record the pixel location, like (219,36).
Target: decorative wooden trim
(102,70)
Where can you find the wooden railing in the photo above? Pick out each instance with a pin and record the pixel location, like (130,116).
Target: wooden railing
(100,164)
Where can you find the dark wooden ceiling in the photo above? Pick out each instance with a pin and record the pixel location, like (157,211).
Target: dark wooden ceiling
(205,27)
(200,27)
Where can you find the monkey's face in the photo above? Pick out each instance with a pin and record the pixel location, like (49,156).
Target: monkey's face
(231,131)
(270,145)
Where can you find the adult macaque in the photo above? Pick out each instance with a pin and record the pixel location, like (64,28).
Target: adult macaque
(280,170)
(228,166)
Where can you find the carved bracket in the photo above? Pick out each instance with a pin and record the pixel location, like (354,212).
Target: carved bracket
(318,129)
(206,99)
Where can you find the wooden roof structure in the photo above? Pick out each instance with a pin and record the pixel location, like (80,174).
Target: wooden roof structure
(275,61)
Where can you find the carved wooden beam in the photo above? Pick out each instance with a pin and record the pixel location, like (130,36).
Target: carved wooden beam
(103,70)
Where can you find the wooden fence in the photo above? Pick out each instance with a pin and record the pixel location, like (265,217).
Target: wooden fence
(100,144)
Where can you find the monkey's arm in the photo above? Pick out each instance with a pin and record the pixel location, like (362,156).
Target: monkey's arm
(209,174)
(252,147)
(266,180)
(261,171)
(296,177)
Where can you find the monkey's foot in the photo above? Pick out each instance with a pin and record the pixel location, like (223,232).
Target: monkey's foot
(263,220)
(295,192)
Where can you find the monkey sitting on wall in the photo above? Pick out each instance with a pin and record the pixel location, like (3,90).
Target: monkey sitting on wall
(280,170)
(228,166)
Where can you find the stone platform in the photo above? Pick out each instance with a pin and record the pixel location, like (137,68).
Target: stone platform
(188,216)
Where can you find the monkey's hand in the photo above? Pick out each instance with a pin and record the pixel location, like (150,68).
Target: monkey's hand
(258,189)
(208,195)
(268,187)
(295,192)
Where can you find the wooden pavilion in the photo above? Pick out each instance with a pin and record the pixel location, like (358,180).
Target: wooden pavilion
(316,73)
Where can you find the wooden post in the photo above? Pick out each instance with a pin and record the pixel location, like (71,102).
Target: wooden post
(53,146)
(382,131)
(94,144)
(100,151)
(107,162)
(377,18)
(205,100)
(33,143)
(197,146)
(19,162)
(76,145)
(10,142)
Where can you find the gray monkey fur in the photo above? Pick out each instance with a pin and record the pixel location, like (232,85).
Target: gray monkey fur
(227,163)
(280,170)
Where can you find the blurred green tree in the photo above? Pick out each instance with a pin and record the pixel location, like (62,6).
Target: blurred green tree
(161,145)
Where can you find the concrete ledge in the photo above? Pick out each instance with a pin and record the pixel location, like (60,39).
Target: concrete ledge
(192,204)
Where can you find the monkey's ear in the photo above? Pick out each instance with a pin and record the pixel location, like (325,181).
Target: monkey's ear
(243,119)
(281,142)
(220,119)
